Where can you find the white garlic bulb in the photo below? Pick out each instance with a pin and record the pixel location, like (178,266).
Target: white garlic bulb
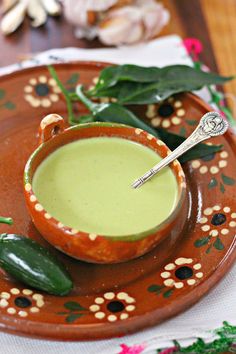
(129,24)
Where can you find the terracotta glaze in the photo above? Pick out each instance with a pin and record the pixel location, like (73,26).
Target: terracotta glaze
(91,247)
(116,299)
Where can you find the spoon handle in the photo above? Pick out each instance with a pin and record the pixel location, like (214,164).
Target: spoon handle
(210,125)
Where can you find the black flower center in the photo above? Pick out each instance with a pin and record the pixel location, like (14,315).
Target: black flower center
(218,219)
(22,301)
(208,157)
(165,110)
(184,273)
(115,306)
(42,89)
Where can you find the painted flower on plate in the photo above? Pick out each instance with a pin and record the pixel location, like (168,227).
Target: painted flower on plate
(113,306)
(218,220)
(182,272)
(205,165)
(21,302)
(168,113)
(41,92)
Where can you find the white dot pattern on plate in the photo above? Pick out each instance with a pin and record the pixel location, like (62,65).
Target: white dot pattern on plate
(38,207)
(99,315)
(28,187)
(22,313)
(182,260)
(109,296)
(99,300)
(170,266)
(178,285)
(165,275)
(92,236)
(11,310)
(33,198)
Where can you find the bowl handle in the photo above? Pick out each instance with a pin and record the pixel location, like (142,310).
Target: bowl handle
(50,126)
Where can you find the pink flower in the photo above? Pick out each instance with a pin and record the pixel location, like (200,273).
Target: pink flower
(135,349)
(193,47)
(222,113)
(169,350)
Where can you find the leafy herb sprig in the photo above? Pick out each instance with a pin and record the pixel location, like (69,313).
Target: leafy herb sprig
(129,84)
(132,84)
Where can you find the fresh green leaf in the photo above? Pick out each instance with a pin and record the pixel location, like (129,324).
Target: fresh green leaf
(73,306)
(113,112)
(213,183)
(65,93)
(155,288)
(116,113)
(168,293)
(222,188)
(9,105)
(2,93)
(202,241)
(173,141)
(111,75)
(227,180)
(86,119)
(73,316)
(191,122)
(218,244)
(142,85)
(73,79)
(216,96)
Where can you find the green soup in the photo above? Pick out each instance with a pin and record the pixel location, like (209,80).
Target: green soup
(87,186)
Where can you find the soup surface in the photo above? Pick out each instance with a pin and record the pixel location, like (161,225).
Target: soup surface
(87,186)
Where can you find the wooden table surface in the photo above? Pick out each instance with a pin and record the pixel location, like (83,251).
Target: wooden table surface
(212,21)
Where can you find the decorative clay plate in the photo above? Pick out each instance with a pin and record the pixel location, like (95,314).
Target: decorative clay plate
(114,300)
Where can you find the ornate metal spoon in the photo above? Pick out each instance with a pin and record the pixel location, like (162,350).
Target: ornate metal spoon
(210,125)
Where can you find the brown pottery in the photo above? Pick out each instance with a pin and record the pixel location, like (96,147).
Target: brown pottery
(115,299)
(91,247)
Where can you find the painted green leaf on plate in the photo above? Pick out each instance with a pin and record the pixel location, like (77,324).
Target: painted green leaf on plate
(74,306)
(218,244)
(191,122)
(168,293)
(155,288)
(182,131)
(9,105)
(208,250)
(227,180)
(72,317)
(73,79)
(213,183)
(222,188)
(202,241)
(2,93)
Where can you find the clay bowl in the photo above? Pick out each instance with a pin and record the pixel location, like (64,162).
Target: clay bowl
(91,247)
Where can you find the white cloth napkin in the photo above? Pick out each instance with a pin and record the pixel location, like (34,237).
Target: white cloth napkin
(218,306)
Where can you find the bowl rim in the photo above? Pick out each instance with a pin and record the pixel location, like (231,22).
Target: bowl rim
(181,185)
